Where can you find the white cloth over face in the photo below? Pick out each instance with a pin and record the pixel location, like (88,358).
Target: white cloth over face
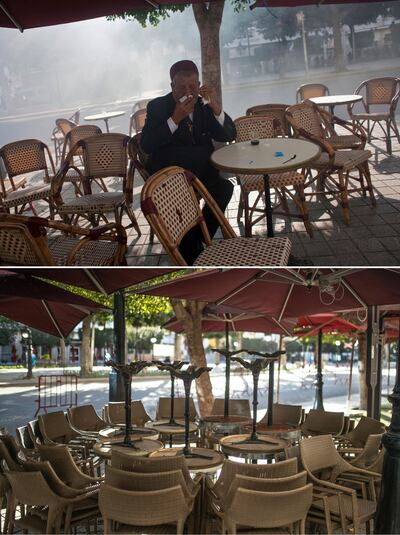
(173,126)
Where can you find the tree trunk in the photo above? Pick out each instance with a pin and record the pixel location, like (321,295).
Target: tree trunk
(189,313)
(63,353)
(208,17)
(178,347)
(362,360)
(86,357)
(337,39)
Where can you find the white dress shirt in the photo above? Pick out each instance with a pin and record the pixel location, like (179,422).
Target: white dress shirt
(173,126)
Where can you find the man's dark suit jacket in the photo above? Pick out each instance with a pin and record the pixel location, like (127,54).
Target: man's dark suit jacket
(186,148)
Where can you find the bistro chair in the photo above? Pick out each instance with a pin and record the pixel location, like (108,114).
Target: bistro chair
(85,419)
(339,172)
(287,185)
(306,91)
(169,202)
(285,414)
(163,410)
(72,137)
(25,442)
(56,429)
(63,126)
(104,156)
(114,413)
(319,422)
(8,185)
(143,512)
(35,432)
(26,157)
(237,407)
(363,457)
(382,92)
(277,111)
(24,241)
(357,438)
(329,471)
(136,121)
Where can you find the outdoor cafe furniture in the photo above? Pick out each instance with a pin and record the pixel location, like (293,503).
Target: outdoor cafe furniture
(171,207)
(103,156)
(331,473)
(236,407)
(382,92)
(240,446)
(287,185)
(63,126)
(114,413)
(358,437)
(142,447)
(335,100)
(104,116)
(277,111)
(85,419)
(56,429)
(365,457)
(285,414)
(337,170)
(24,241)
(320,422)
(266,157)
(23,157)
(117,432)
(307,91)
(136,121)
(8,185)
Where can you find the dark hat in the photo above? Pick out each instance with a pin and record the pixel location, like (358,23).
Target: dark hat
(183,65)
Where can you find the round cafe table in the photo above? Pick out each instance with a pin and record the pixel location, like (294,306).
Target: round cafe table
(275,155)
(165,428)
(240,446)
(290,433)
(335,100)
(143,447)
(104,116)
(118,433)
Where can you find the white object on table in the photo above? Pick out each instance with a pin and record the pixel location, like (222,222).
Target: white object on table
(104,116)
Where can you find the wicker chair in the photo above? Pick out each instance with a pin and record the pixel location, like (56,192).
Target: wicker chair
(71,139)
(329,471)
(48,511)
(8,185)
(320,422)
(334,167)
(63,126)
(143,512)
(277,111)
(307,91)
(23,241)
(104,155)
(25,441)
(35,432)
(22,158)
(163,410)
(10,453)
(136,121)
(289,184)
(237,407)
(357,438)
(85,419)
(365,457)
(114,413)
(378,92)
(285,414)
(171,207)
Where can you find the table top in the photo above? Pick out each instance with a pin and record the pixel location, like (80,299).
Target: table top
(205,466)
(118,433)
(259,159)
(161,427)
(333,100)
(104,115)
(287,432)
(144,447)
(271,445)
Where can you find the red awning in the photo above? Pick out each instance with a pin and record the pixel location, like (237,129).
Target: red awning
(296,3)
(24,14)
(327,323)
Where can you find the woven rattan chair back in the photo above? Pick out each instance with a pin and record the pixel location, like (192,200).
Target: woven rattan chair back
(144,482)
(105,155)
(8,458)
(65,125)
(256,509)
(55,427)
(139,158)
(153,508)
(115,413)
(85,418)
(273,110)
(141,104)
(305,116)
(366,426)
(35,432)
(320,422)
(163,410)
(255,127)
(22,484)
(26,156)
(368,456)
(278,484)
(285,414)
(76,134)
(320,457)
(237,407)
(137,120)
(19,247)
(379,90)
(307,91)
(53,480)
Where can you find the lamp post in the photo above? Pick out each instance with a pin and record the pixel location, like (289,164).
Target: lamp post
(300,22)
(26,335)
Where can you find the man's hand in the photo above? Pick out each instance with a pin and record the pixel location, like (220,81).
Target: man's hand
(183,109)
(208,94)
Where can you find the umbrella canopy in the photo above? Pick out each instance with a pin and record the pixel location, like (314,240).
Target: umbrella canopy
(327,323)
(41,305)
(104,280)
(24,14)
(287,292)
(296,3)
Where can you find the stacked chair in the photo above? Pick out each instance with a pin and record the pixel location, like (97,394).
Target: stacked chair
(319,422)
(114,413)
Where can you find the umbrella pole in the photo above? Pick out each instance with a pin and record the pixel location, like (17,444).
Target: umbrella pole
(271,392)
(318,402)
(116,383)
(227,372)
(278,387)
(350,375)
(387,519)
(388,377)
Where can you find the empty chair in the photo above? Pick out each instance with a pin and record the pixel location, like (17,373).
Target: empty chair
(358,437)
(287,186)
(63,126)
(24,241)
(320,422)
(366,457)
(26,157)
(277,111)
(382,92)
(237,407)
(307,91)
(136,121)
(142,510)
(285,414)
(56,430)
(9,184)
(163,411)
(35,432)
(171,207)
(115,413)
(85,419)
(26,442)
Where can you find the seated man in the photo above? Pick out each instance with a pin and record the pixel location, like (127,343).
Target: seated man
(179,130)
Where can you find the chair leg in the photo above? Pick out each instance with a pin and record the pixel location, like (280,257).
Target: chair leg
(388,138)
(133,219)
(344,198)
(366,173)
(395,129)
(247,218)
(240,208)
(151,237)
(301,199)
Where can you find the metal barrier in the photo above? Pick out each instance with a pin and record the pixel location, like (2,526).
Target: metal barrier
(57,391)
